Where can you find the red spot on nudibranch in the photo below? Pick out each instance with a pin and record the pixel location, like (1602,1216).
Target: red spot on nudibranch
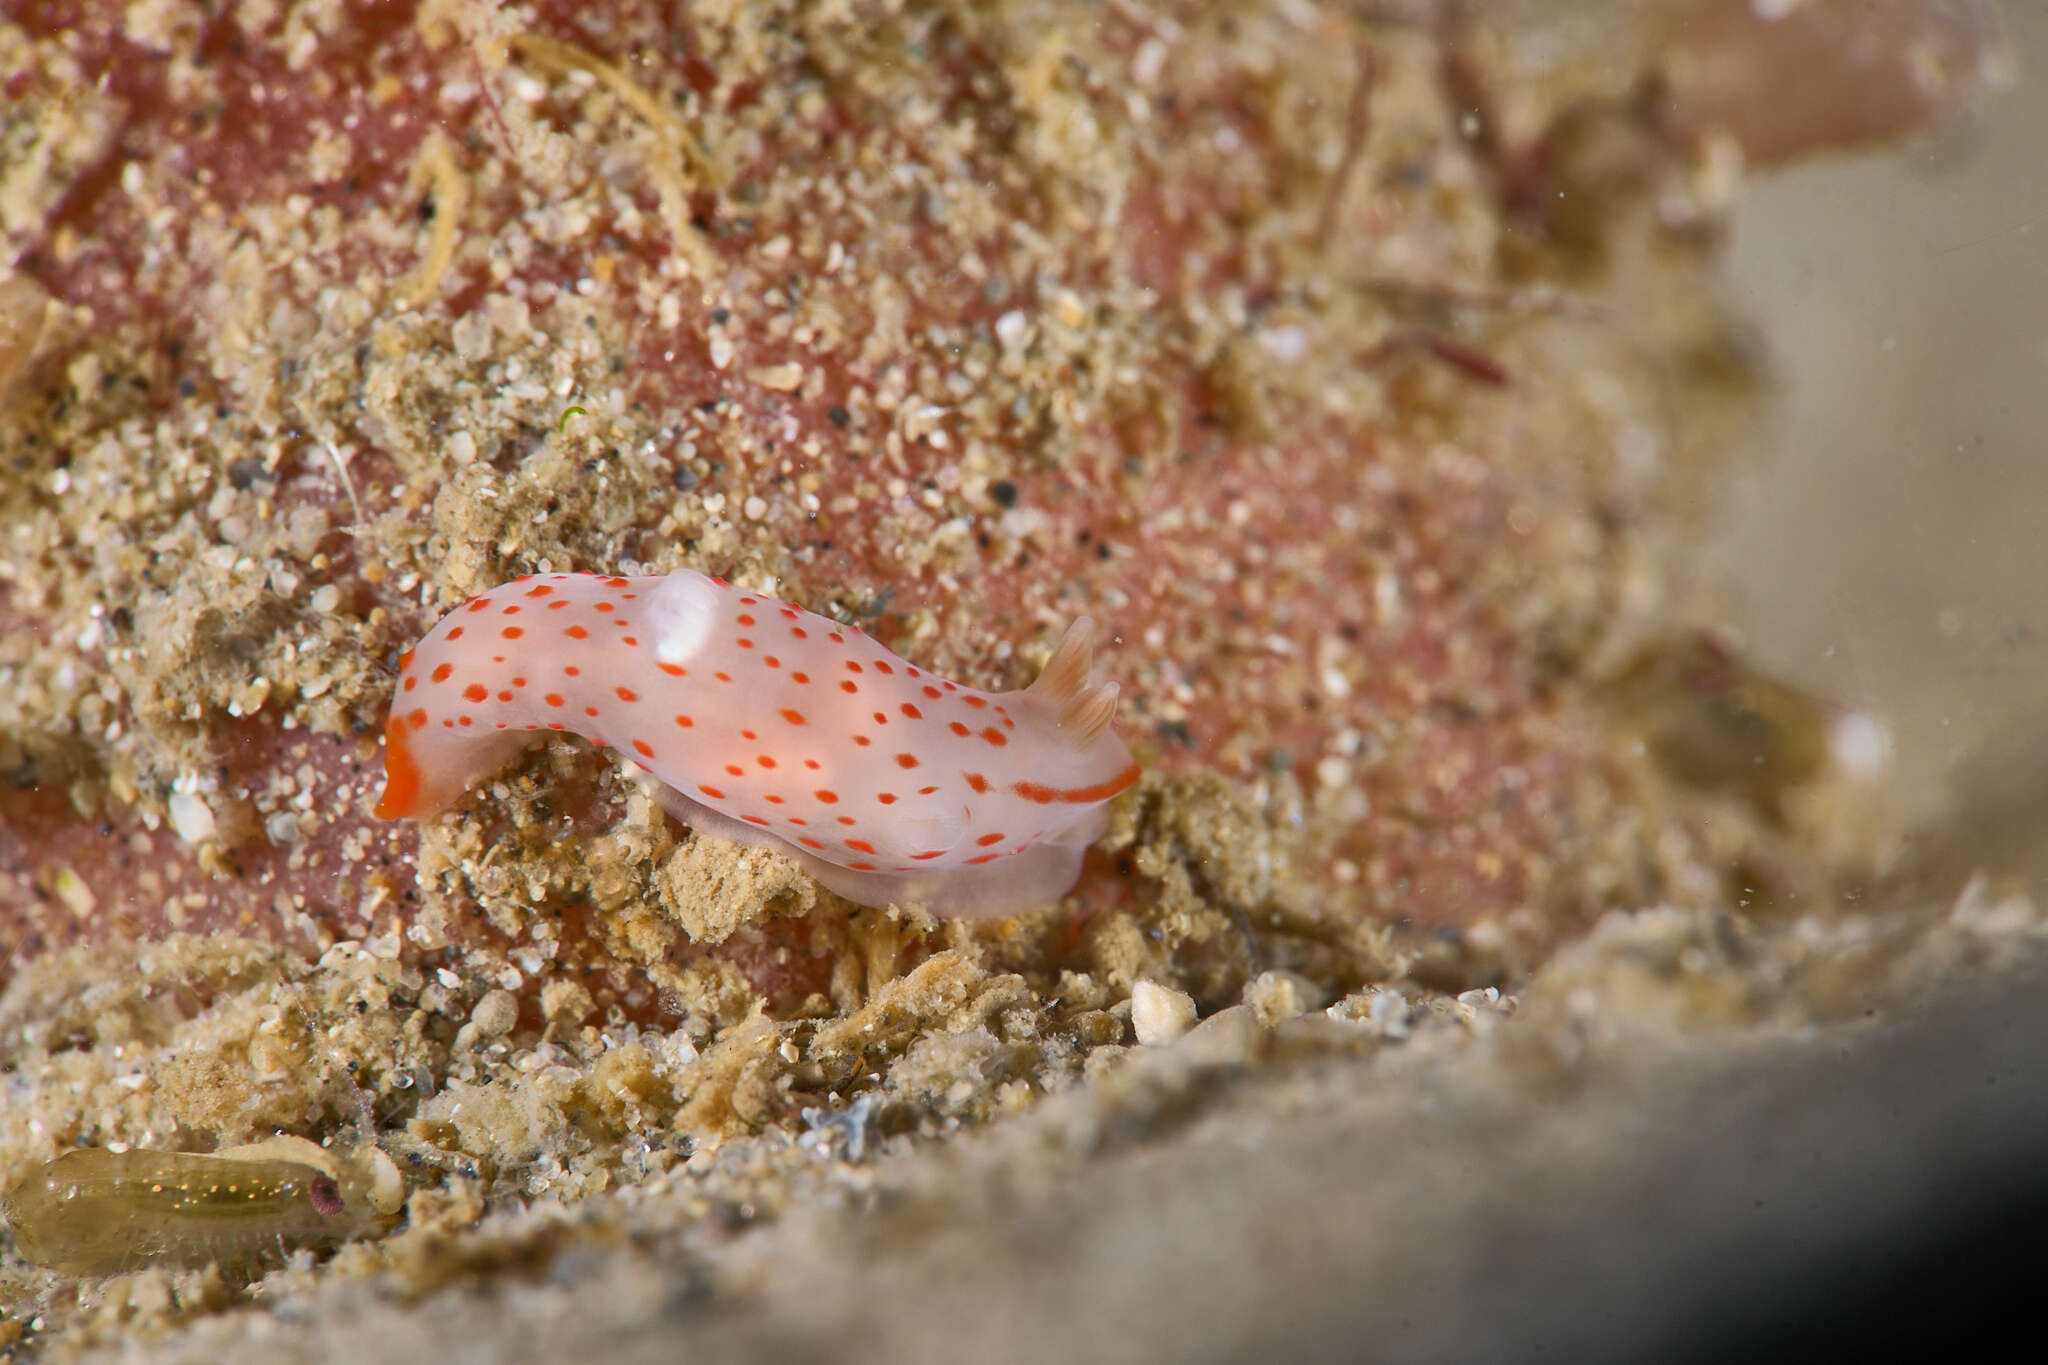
(911,711)
(753,819)
(479,603)
(559,606)
(926,857)
(812,764)
(987,839)
(744,643)
(723,677)
(590,711)
(906,760)
(685,722)
(505,694)
(862,740)
(926,791)
(849,686)
(542,591)
(643,748)
(577,633)
(512,632)
(860,846)
(977,783)
(573,671)
(793,717)
(444,672)
(771,661)
(851,666)
(799,632)
(764,760)
(416,718)
(626,694)
(553,699)
(674,670)
(455,633)
(799,677)
(603,606)
(826,795)
(983,858)
(475,692)
(744,619)
(411,683)
(807,841)
(512,610)
(881,667)
(957,728)
(714,793)
(862,867)
(976,702)
(931,692)
(886,798)
(995,737)
(735,770)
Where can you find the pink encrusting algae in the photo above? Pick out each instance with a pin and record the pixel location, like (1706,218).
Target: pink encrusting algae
(775,726)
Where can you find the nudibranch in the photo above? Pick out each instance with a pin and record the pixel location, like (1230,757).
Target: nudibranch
(772,725)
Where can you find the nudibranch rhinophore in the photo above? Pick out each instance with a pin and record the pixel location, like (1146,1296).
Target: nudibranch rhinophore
(772,725)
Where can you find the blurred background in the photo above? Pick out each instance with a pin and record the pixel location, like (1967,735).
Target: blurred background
(1887,544)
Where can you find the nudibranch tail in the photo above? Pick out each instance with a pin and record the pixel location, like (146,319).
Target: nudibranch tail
(768,723)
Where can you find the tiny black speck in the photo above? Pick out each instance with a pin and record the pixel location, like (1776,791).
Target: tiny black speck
(1004,492)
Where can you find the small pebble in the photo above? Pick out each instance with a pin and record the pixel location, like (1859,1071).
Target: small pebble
(1160,1014)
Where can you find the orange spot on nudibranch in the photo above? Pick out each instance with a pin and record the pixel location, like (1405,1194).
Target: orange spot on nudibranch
(475,692)
(444,672)
(643,748)
(626,694)
(411,683)
(685,722)
(977,783)
(542,591)
(456,633)
(906,760)
(714,793)
(886,798)
(512,632)
(807,841)
(799,677)
(553,699)
(988,839)
(995,737)
(849,686)
(957,728)
(416,718)
(860,845)
(674,670)
(577,633)
(826,795)
(794,717)
(911,711)
(976,702)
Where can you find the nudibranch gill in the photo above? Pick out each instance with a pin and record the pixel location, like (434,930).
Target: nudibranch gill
(770,724)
